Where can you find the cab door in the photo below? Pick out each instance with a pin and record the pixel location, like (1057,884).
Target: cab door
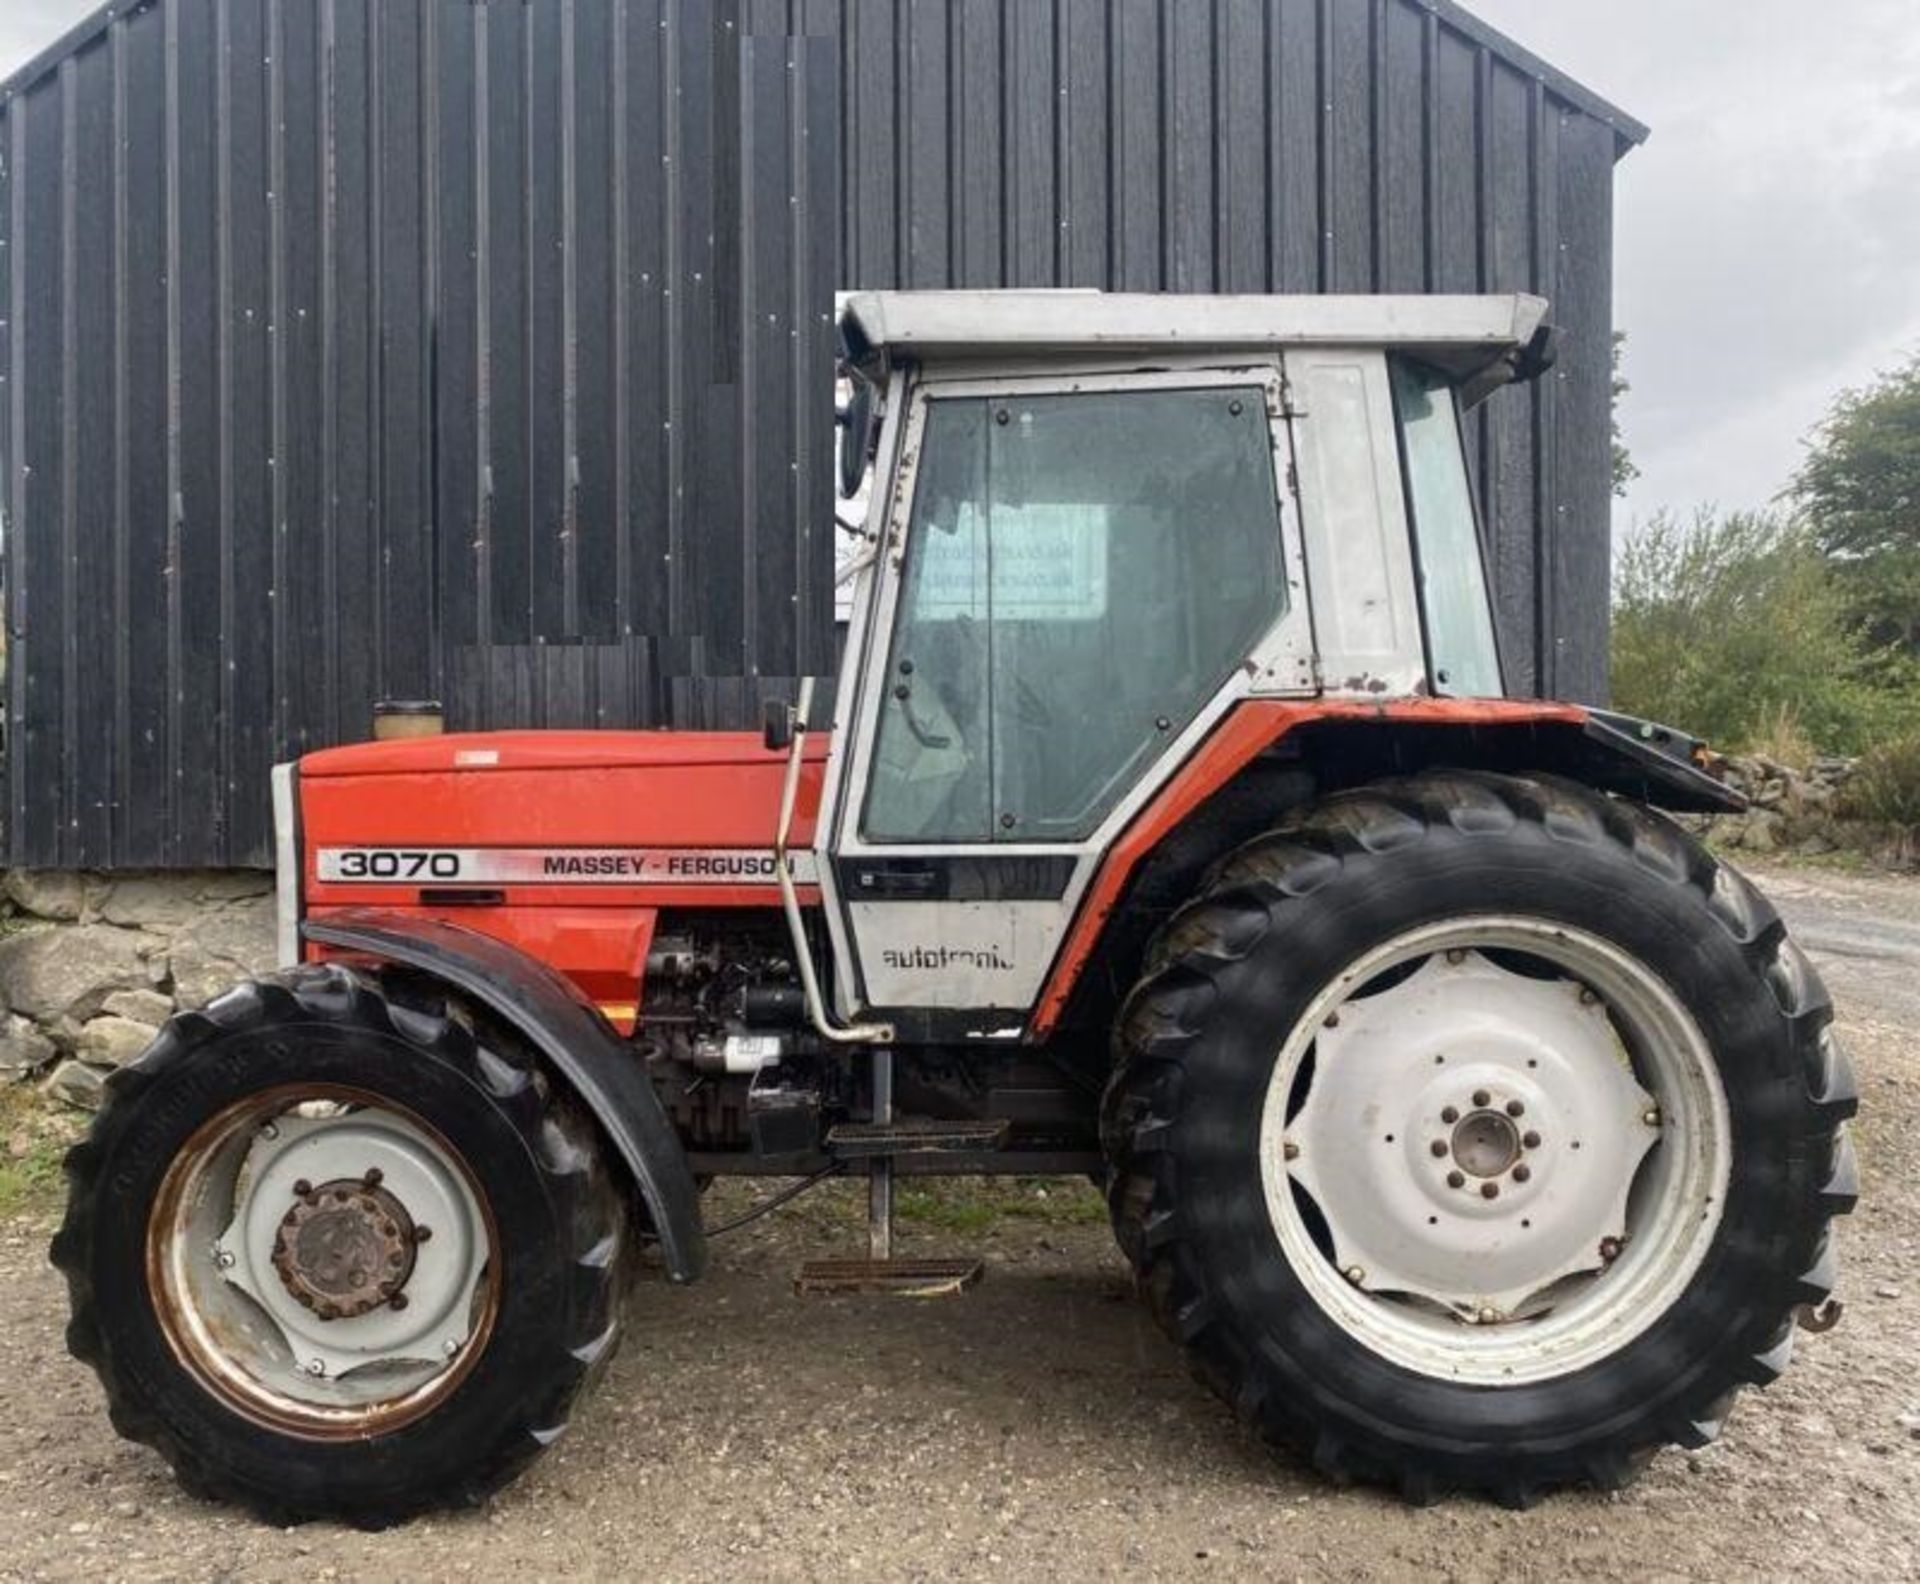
(1076,576)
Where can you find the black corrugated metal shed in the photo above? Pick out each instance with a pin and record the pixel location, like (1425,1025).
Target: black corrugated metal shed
(481,349)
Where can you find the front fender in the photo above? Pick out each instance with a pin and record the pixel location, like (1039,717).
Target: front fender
(546,1008)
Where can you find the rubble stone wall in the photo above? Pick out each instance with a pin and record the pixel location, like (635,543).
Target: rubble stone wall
(92,965)
(1793,811)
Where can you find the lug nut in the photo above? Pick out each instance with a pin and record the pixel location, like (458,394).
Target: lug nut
(269,1131)
(1481,1097)
(1456,957)
(1333,1020)
(1530,1139)
(1490,1190)
(422,1233)
(316,1367)
(1439,1148)
(450,1347)
(1651,1116)
(397,1301)
(1609,1249)
(1355,1274)
(224,1258)
(1456,1179)
(302,1188)
(1522,1172)
(374,1177)
(1489,1316)
(1451,1114)
(1515,1108)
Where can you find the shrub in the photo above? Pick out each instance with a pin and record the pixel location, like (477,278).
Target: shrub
(1885,789)
(1734,627)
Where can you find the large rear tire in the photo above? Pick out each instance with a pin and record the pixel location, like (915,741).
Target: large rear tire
(338,1257)
(1538,1280)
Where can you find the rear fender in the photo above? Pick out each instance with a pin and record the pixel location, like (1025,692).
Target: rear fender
(552,1014)
(1345,742)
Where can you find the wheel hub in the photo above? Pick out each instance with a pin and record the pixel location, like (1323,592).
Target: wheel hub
(1470,1136)
(345,1248)
(1485,1144)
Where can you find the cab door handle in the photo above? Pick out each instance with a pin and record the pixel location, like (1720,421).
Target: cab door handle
(895,882)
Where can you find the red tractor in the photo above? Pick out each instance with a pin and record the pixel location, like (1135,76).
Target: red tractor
(1467,1123)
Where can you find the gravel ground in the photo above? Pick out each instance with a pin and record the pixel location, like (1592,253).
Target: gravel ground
(1039,1425)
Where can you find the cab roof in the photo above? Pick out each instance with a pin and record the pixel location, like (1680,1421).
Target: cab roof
(1485,341)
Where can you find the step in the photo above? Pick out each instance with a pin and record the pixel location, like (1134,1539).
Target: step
(905,1278)
(864,1140)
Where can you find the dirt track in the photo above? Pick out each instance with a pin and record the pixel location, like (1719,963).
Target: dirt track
(1039,1426)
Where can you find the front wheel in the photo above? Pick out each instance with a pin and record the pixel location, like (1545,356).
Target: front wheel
(335,1256)
(1482,1133)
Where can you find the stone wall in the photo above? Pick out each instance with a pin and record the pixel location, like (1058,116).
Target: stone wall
(1806,814)
(92,965)
(1794,811)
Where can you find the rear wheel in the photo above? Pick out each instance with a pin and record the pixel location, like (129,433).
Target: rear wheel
(1478,1132)
(338,1257)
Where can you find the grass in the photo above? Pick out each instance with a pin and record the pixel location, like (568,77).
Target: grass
(33,1139)
(972,1207)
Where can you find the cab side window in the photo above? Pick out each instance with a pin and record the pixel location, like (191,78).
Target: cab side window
(1084,572)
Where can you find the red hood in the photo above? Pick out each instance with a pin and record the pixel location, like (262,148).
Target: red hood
(550,750)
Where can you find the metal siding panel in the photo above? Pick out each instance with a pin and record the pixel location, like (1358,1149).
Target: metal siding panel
(1455,226)
(649,504)
(1402,93)
(1510,459)
(307,570)
(923,130)
(456,402)
(1242,132)
(1347,146)
(593,523)
(141,811)
(94,580)
(248,529)
(551,590)
(1583,453)
(817,167)
(193,270)
(976,153)
(1085,194)
(1188,175)
(768,349)
(1136,149)
(36,535)
(11,378)
(872,78)
(1296,122)
(352,303)
(1032,214)
(508,514)
(404,172)
(709,580)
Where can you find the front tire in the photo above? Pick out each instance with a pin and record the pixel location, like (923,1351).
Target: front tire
(334,1256)
(1432,1290)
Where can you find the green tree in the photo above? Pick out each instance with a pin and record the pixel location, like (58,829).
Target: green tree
(1860,490)
(1729,625)
(1624,471)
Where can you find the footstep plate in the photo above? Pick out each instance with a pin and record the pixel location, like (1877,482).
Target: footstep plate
(906,1278)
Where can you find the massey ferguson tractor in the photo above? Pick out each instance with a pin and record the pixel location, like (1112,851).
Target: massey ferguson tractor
(1466,1123)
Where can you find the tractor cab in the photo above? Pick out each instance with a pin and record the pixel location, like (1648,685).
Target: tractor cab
(1098,524)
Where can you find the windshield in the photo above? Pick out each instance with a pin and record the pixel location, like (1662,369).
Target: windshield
(1084,571)
(1464,657)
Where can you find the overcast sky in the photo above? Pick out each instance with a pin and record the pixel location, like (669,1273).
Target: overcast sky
(1769,235)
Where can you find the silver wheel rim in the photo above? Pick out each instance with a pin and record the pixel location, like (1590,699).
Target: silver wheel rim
(323,1262)
(1495,1150)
